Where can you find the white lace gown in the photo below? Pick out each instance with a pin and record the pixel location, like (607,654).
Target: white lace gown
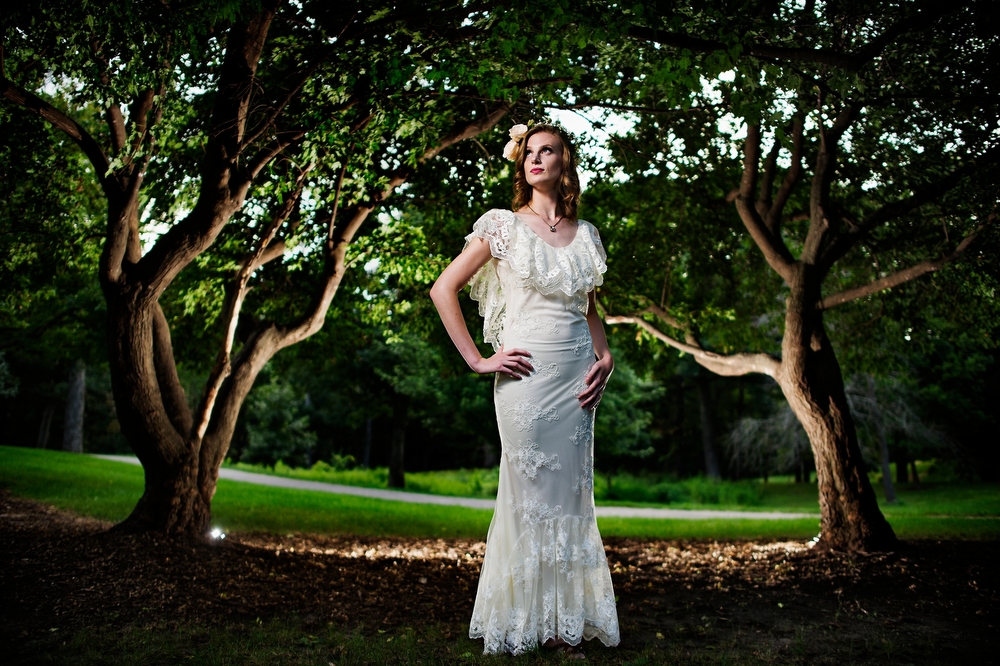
(545,574)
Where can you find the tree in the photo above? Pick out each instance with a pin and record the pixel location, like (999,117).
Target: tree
(50,315)
(882,160)
(254,139)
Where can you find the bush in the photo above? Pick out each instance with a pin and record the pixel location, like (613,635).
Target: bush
(276,431)
(697,490)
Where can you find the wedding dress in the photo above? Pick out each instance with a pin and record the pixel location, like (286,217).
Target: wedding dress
(545,574)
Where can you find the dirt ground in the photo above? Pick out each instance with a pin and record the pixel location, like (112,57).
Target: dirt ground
(929,602)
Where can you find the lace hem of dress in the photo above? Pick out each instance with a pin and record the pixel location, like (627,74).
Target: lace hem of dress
(554,584)
(574,270)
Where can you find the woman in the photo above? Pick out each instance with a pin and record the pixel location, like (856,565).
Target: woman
(545,579)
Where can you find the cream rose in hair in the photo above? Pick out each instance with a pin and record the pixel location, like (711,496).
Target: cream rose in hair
(517,132)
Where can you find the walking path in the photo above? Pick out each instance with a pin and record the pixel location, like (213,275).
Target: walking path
(421,498)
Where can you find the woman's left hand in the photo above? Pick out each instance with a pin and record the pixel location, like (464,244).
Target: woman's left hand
(596,380)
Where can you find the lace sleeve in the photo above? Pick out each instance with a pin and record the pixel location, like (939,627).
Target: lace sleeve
(494,228)
(599,246)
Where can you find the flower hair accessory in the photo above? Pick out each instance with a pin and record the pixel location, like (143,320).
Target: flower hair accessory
(517,133)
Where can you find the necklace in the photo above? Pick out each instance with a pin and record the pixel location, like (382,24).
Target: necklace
(552,227)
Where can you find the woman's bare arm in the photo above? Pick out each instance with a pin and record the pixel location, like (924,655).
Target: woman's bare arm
(444,293)
(597,378)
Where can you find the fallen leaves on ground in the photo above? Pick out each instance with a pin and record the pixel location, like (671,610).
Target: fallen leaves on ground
(63,571)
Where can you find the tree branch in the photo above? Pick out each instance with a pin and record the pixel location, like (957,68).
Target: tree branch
(727,365)
(820,214)
(231,313)
(792,177)
(926,194)
(265,155)
(767,180)
(898,278)
(68,126)
(280,106)
(343,232)
(772,246)
(681,41)
(926,15)
(223,188)
(171,392)
(137,115)
(626,107)
(236,83)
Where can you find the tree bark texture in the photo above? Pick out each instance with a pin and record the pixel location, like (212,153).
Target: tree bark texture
(811,381)
(75,401)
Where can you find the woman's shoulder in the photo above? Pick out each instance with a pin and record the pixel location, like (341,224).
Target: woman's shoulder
(493,226)
(590,229)
(593,238)
(498,214)
(493,220)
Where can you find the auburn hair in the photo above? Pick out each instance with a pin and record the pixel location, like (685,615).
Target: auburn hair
(568,192)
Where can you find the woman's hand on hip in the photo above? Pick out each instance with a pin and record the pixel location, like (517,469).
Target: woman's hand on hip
(511,362)
(596,380)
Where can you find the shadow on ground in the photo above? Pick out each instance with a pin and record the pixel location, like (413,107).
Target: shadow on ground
(64,577)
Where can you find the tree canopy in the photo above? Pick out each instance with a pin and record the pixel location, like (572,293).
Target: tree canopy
(793,178)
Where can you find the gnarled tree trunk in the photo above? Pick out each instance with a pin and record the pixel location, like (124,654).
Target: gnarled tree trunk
(180,449)
(811,380)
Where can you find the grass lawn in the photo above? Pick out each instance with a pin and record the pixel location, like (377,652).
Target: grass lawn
(108,490)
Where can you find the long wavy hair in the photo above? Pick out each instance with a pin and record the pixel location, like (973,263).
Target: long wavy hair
(569,185)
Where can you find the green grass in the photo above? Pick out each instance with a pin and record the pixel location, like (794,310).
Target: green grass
(657,491)
(481,483)
(108,490)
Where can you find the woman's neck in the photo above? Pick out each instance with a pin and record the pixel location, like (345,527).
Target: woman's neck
(544,204)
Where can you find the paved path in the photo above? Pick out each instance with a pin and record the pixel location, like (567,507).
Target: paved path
(421,498)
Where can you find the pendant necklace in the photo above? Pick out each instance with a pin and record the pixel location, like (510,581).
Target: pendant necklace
(552,227)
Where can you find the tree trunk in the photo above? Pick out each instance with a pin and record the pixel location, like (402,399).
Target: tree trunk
(45,427)
(400,407)
(707,428)
(913,470)
(902,461)
(75,400)
(883,445)
(171,502)
(812,382)
(181,452)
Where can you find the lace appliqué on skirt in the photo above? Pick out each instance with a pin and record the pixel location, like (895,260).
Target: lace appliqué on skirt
(529,459)
(555,583)
(523,414)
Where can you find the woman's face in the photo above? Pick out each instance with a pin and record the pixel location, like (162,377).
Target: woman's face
(543,160)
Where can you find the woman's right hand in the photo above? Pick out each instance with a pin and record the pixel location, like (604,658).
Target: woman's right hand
(511,362)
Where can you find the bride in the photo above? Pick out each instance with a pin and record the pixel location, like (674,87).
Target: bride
(533,270)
